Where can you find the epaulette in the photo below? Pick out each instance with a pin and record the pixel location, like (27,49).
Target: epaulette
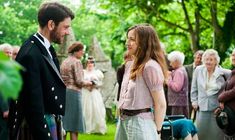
(28,45)
(25,48)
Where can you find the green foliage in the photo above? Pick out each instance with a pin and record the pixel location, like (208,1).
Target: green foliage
(10,79)
(18,20)
(109,20)
(227,63)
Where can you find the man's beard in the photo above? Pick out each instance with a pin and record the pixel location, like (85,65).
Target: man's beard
(54,35)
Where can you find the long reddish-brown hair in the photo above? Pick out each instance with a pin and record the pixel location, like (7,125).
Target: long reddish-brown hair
(148,47)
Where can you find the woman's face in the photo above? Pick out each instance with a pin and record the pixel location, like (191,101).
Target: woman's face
(210,62)
(175,64)
(131,42)
(90,64)
(79,54)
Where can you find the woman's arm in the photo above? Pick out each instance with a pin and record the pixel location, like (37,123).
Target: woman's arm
(176,81)
(159,108)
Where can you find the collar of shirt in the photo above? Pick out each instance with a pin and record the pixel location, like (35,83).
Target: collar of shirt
(194,66)
(45,42)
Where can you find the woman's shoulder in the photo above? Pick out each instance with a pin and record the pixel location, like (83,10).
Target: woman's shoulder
(200,68)
(128,64)
(152,63)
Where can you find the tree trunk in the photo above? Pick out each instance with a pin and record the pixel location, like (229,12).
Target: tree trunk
(218,38)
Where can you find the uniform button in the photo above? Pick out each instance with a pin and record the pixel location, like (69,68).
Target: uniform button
(44,116)
(56,97)
(61,106)
(45,126)
(15,120)
(16,101)
(16,113)
(52,89)
(32,41)
(48,134)
(14,126)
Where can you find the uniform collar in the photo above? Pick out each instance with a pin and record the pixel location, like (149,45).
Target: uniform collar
(44,41)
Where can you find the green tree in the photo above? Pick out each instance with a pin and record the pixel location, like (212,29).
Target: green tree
(199,24)
(18,20)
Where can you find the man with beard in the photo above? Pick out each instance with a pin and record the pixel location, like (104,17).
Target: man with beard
(42,98)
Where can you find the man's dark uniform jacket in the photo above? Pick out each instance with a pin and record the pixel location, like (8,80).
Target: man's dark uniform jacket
(43,91)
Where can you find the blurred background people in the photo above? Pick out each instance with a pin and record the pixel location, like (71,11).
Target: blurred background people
(177,83)
(168,109)
(92,101)
(7,49)
(206,83)
(15,51)
(142,87)
(189,69)
(72,74)
(227,97)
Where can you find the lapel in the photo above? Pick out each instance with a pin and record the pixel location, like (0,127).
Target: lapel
(191,68)
(47,57)
(204,77)
(218,72)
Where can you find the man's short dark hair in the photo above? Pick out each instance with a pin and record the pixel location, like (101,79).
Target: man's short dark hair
(53,11)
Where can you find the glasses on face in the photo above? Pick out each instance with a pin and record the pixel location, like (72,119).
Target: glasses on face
(91,62)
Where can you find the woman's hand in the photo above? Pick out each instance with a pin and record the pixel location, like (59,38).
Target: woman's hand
(195,107)
(5,114)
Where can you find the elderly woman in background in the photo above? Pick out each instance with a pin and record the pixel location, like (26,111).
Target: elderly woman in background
(227,97)
(7,49)
(207,81)
(177,85)
(15,51)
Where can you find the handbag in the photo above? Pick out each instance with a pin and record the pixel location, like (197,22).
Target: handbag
(225,119)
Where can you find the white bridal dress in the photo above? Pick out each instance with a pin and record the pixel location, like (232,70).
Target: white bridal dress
(93,105)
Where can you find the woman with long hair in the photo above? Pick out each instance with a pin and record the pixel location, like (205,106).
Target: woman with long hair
(142,102)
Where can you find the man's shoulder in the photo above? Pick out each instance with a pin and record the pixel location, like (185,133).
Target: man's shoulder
(30,42)
(28,47)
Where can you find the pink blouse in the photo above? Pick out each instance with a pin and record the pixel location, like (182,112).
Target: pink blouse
(137,94)
(72,73)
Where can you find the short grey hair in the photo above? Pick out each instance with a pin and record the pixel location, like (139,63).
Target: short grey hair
(210,52)
(200,52)
(5,46)
(176,55)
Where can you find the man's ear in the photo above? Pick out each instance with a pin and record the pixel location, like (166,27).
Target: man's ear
(51,25)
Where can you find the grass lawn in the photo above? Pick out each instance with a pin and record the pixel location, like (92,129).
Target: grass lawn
(108,136)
